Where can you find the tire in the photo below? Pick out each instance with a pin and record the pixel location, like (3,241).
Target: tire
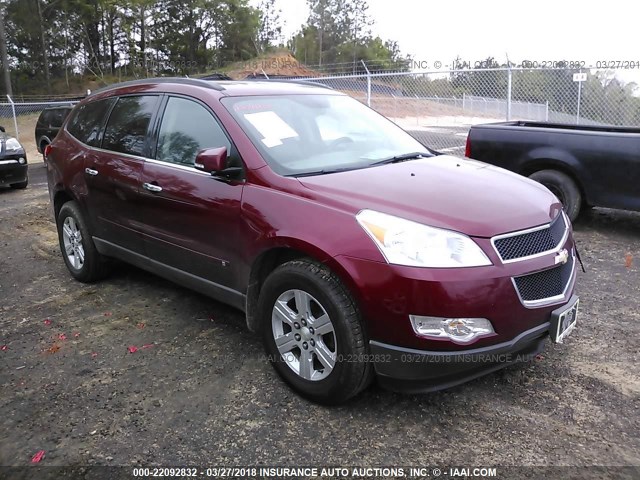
(563,187)
(44,145)
(76,244)
(20,185)
(337,366)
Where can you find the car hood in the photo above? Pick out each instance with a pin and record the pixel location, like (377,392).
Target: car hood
(464,195)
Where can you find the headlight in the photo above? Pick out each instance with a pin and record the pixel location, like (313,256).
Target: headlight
(13,146)
(403,242)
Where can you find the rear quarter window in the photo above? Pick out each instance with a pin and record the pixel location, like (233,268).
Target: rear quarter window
(43,119)
(87,121)
(57,116)
(53,117)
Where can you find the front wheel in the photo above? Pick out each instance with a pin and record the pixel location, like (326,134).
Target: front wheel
(563,187)
(313,333)
(78,250)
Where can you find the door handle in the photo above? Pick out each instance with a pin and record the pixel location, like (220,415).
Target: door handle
(151,187)
(90,171)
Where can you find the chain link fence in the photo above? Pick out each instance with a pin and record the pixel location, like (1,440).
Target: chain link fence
(439,107)
(19,120)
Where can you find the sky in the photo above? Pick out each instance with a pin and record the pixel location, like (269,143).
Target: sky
(545,30)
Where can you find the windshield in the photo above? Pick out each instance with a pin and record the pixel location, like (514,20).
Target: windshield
(316,134)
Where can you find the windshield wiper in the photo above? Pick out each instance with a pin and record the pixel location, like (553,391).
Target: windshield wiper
(402,158)
(320,172)
(395,159)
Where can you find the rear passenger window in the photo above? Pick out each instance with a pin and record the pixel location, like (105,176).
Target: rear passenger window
(88,120)
(187,127)
(126,130)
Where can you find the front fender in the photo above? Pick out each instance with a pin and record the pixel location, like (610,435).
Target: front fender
(275,220)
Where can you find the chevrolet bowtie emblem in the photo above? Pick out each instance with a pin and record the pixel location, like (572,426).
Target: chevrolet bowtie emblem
(562,257)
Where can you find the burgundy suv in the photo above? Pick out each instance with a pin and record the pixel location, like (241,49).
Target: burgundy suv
(354,250)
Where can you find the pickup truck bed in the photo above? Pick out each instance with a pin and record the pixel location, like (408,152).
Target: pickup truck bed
(582,165)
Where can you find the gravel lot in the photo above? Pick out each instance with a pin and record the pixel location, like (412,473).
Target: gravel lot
(198,390)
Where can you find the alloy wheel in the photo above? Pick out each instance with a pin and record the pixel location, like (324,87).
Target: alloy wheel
(304,335)
(72,239)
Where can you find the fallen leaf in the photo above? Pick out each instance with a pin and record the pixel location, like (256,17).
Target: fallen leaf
(94,355)
(47,321)
(539,357)
(107,314)
(148,345)
(628,260)
(77,334)
(4,348)
(140,326)
(133,349)
(62,336)
(37,457)
(54,348)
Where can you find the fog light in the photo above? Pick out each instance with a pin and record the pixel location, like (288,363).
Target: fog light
(458,330)
(22,160)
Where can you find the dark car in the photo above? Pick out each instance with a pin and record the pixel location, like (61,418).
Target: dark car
(353,250)
(13,162)
(584,166)
(49,123)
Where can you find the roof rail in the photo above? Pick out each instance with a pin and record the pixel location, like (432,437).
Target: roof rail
(289,80)
(215,76)
(308,82)
(182,80)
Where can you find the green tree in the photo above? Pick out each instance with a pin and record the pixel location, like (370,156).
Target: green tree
(270,31)
(338,35)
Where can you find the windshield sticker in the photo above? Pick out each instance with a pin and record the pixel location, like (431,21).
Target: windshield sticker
(271,142)
(242,107)
(272,128)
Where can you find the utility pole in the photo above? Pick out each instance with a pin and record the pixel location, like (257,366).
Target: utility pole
(3,53)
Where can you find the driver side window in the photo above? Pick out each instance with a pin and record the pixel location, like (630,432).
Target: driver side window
(187,127)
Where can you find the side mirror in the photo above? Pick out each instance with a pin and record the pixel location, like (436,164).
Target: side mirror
(2,129)
(214,161)
(211,160)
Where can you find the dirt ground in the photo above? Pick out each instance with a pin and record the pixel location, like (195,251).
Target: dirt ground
(198,391)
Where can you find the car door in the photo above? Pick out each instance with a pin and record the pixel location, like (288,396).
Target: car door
(113,171)
(191,219)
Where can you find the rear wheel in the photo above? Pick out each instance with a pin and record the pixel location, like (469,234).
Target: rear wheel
(563,187)
(44,145)
(313,333)
(78,250)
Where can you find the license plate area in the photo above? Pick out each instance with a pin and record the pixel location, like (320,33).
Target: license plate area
(563,320)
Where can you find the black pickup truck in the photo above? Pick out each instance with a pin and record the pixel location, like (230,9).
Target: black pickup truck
(584,166)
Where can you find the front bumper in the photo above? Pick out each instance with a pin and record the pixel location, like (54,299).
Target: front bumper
(417,371)
(405,361)
(11,171)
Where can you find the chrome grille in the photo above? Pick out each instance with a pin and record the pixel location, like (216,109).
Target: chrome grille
(533,242)
(546,284)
